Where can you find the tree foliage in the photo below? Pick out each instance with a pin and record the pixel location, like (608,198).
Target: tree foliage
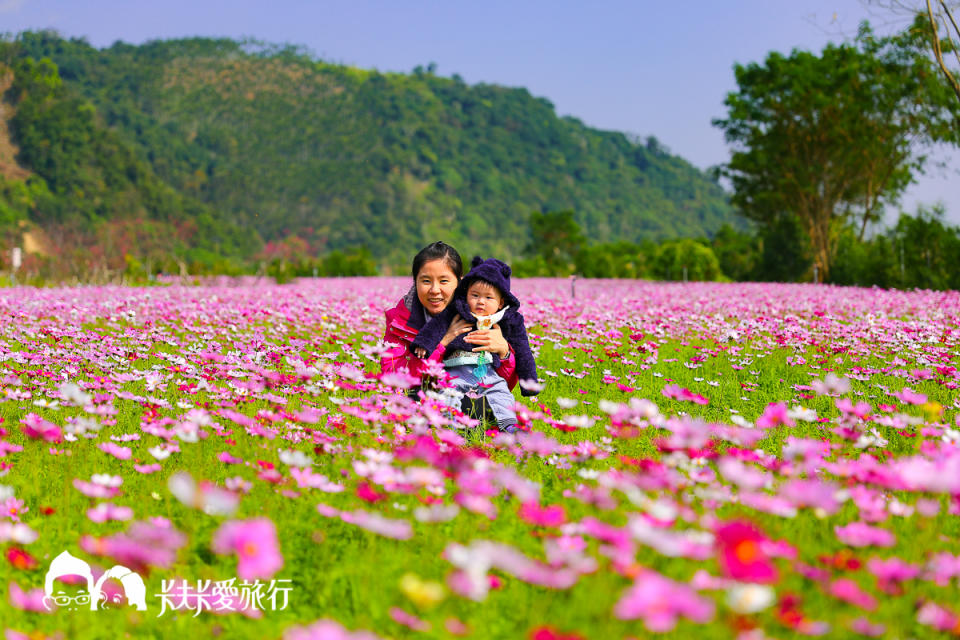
(272,140)
(556,239)
(831,139)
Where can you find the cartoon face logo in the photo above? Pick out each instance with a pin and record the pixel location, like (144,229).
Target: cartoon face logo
(68,565)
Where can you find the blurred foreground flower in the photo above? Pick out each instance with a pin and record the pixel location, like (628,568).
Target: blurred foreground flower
(254,542)
(660,601)
(425,594)
(750,598)
(742,555)
(326,630)
(207,497)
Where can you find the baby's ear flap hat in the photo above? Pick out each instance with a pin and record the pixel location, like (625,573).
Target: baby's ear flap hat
(496,273)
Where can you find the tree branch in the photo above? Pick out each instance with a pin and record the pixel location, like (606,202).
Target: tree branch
(937,52)
(956,29)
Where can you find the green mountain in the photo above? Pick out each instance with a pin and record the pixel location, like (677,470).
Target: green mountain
(266,144)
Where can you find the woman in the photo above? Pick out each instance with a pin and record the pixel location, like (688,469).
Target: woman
(436,272)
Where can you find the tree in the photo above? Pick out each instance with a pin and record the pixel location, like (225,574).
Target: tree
(556,238)
(737,252)
(615,260)
(944,37)
(936,27)
(929,250)
(686,257)
(831,139)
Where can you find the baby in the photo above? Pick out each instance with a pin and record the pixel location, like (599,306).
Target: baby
(484,298)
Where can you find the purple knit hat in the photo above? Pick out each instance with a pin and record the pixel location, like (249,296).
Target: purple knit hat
(496,273)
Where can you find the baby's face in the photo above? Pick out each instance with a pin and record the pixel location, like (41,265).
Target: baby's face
(483,299)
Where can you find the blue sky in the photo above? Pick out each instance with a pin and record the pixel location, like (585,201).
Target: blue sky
(643,67)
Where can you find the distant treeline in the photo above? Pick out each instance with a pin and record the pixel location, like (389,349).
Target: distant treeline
(219,155)
(919,251)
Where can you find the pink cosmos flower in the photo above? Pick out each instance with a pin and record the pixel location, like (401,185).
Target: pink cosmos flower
(861,409)
(108,511)
(408,620)
(95,489)
(775,414)
(254,542)
(910,396)
(307,479)
(860,534)
(742,553)
(143,545)
(933,615)
(849,591)
(812,493)
(745,476)
(685,395)
(399,380)
(866,628)
(13,508)
(227,458)
(374,522)
(31,600)
(326,630)
(35,427)
(891,571)
(660,601)
(118,452)
(549,516)
(943,567)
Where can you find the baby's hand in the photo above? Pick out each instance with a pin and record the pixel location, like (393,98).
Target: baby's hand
(420,352)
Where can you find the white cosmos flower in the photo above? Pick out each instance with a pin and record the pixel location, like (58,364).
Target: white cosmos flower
(210,499)
(802,413)
(71,392)
(531,385)
(740,421)
(580,422)
(106,480)
(609,407)
(17,532)
(750,598)
(295,458)
(160,453)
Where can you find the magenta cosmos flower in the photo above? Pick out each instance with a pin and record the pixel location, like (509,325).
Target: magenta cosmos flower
(254,542)
(743,553)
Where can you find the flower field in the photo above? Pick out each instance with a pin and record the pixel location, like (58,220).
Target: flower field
(703,460)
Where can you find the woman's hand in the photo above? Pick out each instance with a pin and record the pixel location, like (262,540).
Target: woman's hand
(491,340)
(457,327)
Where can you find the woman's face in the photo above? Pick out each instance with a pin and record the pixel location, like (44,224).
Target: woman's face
(435,286)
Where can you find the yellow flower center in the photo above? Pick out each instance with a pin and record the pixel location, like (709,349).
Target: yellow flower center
(746,551)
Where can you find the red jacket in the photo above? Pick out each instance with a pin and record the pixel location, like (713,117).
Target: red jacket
(401,333)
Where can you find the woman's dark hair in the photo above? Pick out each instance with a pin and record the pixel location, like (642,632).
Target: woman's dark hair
(438,251)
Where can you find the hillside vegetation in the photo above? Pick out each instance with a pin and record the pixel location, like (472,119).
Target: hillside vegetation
(220,146)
